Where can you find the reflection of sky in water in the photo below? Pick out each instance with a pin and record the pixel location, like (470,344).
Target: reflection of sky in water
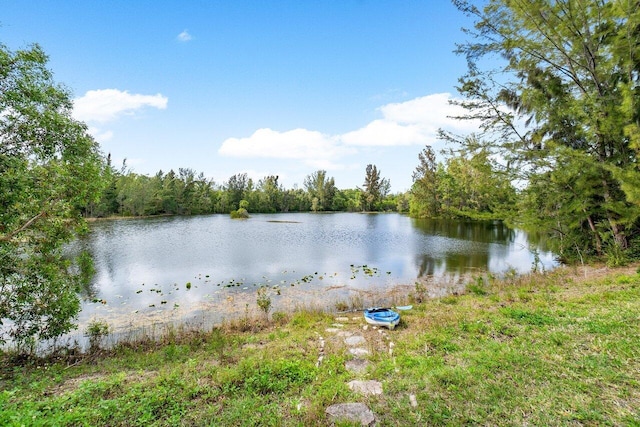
(143,266)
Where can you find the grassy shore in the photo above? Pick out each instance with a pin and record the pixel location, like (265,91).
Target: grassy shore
(561,348)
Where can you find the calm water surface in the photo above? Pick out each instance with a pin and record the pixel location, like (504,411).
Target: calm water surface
(171,268)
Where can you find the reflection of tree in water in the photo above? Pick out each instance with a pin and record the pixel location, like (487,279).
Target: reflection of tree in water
(428,266)
(452,263)
(476,231)
(88,290)
(107,231)
(82,264)
(540,241)
(455,259)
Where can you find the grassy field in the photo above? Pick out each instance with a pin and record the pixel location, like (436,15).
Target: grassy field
(561,348)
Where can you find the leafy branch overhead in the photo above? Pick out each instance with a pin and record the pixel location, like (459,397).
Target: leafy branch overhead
(50,168)
(555,87)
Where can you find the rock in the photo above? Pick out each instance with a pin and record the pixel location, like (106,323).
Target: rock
(332,330)
(367,388)
(356,365)
(359,351)
(342,319)
(355,340)
(413,401)
(351,412)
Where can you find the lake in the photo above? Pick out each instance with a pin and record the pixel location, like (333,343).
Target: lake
(206,269)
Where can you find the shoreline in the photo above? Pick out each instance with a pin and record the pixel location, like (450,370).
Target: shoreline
(206,315)
(542,349)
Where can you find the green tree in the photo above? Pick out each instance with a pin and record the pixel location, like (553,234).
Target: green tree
(235,188)
(171,193)
(295,200)
(108,203)
(402,202)
(565,98)
(471,185)
(186,197)
(348,200)
(270,194)
(376,188)
(204,195)
(242,212)
(50,168)
(424,199)
(135,194)
(321,190)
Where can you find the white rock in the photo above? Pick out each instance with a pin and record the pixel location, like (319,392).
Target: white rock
(355,340)
(356,365)
(359,351)
(413,401)
(366,388)
(351,412)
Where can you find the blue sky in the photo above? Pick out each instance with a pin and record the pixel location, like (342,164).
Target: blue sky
(263,87)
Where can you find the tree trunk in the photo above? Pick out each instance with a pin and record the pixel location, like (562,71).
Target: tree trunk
(592,226)
(618,230)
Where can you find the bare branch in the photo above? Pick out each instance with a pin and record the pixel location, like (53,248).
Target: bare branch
(9,236)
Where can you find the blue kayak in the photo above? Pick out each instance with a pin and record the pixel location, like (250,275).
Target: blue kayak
(381,317)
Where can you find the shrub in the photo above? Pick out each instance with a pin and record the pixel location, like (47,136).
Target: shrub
(96,331)
(264,300)
(240,214)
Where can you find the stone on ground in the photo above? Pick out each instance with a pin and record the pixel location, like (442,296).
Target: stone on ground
(355,340)
(413,400)
(357,366)
(366,388)
(351,412)
(359,351)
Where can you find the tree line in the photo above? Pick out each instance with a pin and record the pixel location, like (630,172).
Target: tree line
(468,185)
(188,192)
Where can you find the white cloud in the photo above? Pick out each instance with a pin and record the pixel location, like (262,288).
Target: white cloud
(430,109)
(100,135)
(414,122)
(386,133)
(312,147)
(432,112)
(104,105)
(184,36)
